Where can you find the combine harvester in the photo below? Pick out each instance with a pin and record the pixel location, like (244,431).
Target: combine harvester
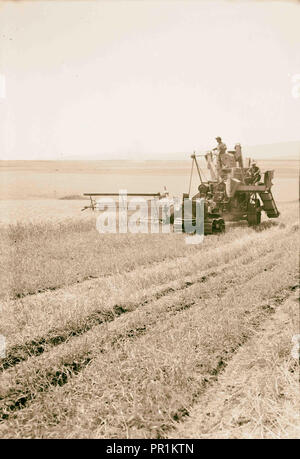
(231,193)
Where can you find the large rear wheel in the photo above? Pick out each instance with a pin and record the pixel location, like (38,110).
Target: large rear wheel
(218,226)
(253,215)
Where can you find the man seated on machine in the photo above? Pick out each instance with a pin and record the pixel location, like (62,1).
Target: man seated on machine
(253,175)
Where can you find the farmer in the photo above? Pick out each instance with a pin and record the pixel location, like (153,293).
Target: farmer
(221,149)
(255,173)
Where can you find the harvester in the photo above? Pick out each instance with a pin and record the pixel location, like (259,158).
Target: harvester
(233,192)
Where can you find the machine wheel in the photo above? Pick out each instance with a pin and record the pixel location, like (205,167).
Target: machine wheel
(218,226)
(208,227)
(222,227)
(253,215)
(258,217)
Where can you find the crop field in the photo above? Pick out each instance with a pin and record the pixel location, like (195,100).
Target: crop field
(142,335)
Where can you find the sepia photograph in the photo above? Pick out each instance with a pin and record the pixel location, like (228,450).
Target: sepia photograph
(149,222)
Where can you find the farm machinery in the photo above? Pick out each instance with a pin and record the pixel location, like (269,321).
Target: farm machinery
(234,191)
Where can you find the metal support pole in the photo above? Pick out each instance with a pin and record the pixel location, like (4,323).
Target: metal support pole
(197,165)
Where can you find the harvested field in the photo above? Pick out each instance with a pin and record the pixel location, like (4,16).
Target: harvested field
(132,335)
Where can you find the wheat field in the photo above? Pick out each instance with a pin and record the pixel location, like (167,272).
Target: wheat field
(143,336)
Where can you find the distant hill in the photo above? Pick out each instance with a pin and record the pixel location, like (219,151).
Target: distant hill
(276,151)
(284,151)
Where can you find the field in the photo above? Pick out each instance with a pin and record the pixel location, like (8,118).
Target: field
(139,335)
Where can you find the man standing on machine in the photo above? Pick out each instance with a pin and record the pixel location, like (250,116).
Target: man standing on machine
(221,149)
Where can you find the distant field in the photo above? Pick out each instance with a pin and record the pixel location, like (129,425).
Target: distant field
(40,210)
(120,336)
(56,179)
(32,190)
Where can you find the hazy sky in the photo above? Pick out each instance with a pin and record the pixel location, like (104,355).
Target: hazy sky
(146,77)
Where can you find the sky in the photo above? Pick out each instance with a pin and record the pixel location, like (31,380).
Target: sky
(146,79)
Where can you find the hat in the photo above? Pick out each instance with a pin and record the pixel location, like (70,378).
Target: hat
(218,138)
